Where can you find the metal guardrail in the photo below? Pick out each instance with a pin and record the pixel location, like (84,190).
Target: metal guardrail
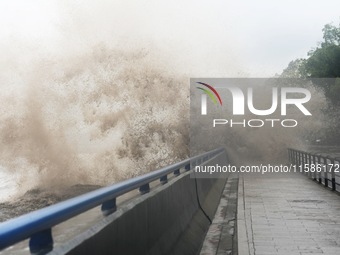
(322,169)
(37,225)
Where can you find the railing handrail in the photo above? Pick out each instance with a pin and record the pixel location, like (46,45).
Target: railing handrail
(319,167)
(27,225)
(316,154)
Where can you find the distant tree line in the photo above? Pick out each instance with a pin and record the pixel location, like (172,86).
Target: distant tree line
(323,62)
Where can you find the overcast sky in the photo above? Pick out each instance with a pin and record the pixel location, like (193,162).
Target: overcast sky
(216,38)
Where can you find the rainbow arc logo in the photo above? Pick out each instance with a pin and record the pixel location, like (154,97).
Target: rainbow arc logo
(211,92)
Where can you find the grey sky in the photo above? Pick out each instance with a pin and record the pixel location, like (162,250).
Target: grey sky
(215,38)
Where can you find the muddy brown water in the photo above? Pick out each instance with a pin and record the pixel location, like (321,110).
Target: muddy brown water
(38,198)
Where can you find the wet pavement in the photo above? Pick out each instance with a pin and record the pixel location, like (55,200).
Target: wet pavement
(221,235)
(286,214)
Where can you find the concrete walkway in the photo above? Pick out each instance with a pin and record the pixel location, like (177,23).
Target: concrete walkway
(220,238)
(286,214)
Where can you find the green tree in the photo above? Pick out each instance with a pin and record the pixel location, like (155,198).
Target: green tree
(331,35)
(322,62)
(295,69)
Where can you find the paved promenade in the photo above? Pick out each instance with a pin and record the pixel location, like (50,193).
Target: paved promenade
(286,214)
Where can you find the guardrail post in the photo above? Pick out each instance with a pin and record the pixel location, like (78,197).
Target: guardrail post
(324,166)
(314,161)
(41,242)
(325,160)
(319,162)
(177,172)
(296,158)
(164,179)
(109,207)
(333,175)
(144,189)
(309,173)
(304,160)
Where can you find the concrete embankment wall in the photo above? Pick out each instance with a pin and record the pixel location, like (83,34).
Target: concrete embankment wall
(171,219)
